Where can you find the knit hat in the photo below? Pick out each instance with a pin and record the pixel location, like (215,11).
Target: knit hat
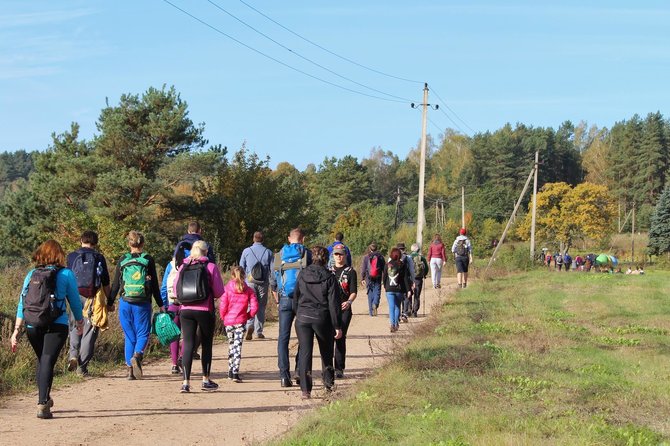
(462,231)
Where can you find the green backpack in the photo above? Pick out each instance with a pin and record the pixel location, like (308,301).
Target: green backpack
(419,266)
(134,275)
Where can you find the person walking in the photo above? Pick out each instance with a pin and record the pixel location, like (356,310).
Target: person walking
(406,298)
(462,250)
(291,259)
(136,281)
(318,311)
(90,269)
(348,282)
(371,277)
(174,306)
(339,237)
(436,257)
(257,262)
(43,311)
(420,273)
(397,283)
(238,305)
(197,285)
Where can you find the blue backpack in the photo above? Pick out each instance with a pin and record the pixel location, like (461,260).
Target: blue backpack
(287,266)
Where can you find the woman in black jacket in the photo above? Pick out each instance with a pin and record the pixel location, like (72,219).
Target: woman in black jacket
(318,309)
(397,283)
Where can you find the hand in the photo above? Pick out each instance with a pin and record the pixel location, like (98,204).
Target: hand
(164,309)
(338,333)
(363,283)
(80,327)
(346,305)
(110,308)
(15,340)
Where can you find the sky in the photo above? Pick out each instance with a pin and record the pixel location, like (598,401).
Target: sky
(486,63)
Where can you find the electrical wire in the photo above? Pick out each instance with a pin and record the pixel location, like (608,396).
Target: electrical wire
(212,27)
(303,57)
(444,103)
(326,49)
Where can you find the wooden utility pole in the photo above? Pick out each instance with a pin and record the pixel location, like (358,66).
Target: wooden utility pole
(632,237)
(532,221)
(462,206)
(420,219)
(397,208)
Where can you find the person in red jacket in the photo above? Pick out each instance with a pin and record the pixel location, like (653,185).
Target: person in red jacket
(436,257)
(238,305)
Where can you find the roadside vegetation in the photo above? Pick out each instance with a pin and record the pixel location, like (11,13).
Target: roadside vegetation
(534,358)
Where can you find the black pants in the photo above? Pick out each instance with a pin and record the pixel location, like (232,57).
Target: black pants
(341,344)
(324,332)
(191,322)
(47,343)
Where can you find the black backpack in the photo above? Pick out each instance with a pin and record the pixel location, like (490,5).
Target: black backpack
(193,283)
(85,269)
(40,304)
(461,248)
(258,274)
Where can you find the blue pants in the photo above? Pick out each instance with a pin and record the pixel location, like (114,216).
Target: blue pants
(374,294)
(286,317)
(394,299)
(135,321)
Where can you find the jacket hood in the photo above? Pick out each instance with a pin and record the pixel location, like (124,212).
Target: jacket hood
(461,237)
(315,274)
(192,237)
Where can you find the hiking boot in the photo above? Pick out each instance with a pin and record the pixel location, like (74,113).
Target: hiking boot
(250,332)
(175,370)
(50,403)
(230,375)
(136,365)
(286,382)
(260,336)
(403,319)
(72,364)
(130,376)
(339,374)
(185,388)
(209,386)
(297,380)
(44,411)
(83,372)
(236,378)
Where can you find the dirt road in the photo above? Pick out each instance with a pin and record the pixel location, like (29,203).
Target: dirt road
(114,411)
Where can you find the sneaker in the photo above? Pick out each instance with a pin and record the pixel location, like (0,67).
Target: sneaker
(136,364)
(50,403)
(306,395)
(209,386)
(175,370)
(185,388)
(465,285)
(250,332)
(83,372)
(230,375)
(196,356)
(260,336)
(374,311)
(339,374)
(44,411)
(403,318)
(297,380)
(286,382)
(130,376)
(236,378)
(72,364)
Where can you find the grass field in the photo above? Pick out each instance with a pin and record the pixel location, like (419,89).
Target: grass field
(534,359)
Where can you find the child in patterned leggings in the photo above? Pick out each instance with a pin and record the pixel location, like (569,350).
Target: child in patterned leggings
(238,305)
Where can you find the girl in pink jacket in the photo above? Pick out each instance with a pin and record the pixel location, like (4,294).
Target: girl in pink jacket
(238,305)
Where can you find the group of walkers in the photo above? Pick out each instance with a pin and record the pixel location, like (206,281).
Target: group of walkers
(314,287)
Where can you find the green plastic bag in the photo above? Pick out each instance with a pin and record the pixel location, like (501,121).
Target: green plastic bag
(164,328)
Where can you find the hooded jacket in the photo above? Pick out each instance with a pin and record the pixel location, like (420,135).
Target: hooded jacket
(237,308)
(316,297)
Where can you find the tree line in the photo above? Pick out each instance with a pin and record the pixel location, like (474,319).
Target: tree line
(150,168)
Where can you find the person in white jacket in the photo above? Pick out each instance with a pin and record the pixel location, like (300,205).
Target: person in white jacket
(462,249)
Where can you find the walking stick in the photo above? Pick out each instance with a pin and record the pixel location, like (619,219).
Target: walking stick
(423,291)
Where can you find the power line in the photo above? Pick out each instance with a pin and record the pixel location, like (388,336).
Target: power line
(212,27)
(452,111)
(326,49)
(301,56)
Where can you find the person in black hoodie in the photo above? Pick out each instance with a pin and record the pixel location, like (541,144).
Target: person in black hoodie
(397,283)
(318,309)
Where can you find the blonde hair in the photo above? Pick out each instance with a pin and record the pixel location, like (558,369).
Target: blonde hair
(199,249)
(237,274)
(135,239)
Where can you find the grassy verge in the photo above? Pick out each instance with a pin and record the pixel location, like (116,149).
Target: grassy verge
(538,358)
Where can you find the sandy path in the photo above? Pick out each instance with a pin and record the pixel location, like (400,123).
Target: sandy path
(111,410)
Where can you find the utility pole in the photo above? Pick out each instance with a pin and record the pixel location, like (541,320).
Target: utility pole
(397,208)
(532,221)
(632,237)
(462,206)
(420,218)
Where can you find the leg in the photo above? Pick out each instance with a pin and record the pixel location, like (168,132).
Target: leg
(416,303)
(174,347)
(189,327)
(262,297)
(305,333)
(324,337)
(230,335)
(87,348)
(285,321)
(434,271)
(206,323)
(377,292)
(49,342)
(75,339)
(341,344)
(126,321)
(142,321)
(238,338)
(371,297)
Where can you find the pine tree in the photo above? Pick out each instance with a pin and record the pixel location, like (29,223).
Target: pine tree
(659,232)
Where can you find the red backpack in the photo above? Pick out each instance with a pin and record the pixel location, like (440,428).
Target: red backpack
(376,265)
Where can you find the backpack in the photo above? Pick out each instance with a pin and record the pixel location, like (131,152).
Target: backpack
(134,275)
(169,283)
(393,271)
(193,283)
(559,259)
(257,275)
(461,248)
(343,280)
(420,270)
(288,264)
(87,269)
(40,306)
(376,262)
(182,251)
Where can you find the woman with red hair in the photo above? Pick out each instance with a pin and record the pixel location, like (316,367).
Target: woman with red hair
(397,283)
(45,315)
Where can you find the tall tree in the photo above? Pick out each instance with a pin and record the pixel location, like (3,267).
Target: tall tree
(659,231)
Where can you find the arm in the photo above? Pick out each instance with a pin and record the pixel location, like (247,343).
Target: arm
(116,284)
(353,290)
(296,295)
(105,281)
(253,303)
(334,306)
(348,256)
(443,253)
(365,267)
(155,287)
(72,294)
(216,281)
(243,259)
(223,305)
(164,293)
(19,312)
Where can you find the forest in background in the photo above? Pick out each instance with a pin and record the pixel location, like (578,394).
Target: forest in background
(150,168)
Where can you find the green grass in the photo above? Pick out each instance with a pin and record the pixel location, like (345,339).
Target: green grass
(534,359)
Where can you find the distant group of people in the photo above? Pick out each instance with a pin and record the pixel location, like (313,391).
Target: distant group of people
(586,263)
(315,288)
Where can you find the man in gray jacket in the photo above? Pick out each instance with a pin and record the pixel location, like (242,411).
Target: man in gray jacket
(251,256)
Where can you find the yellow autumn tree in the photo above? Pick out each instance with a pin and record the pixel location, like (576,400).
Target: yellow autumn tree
(566,214)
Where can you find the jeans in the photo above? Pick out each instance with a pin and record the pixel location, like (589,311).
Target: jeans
(286,316)
(82,347)
(258,321)
(374,294)
(135,320)
(47,342)
(436,271)
(324,332)
(394,299)
(341,344)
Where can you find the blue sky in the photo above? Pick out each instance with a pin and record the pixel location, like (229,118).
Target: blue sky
(492,62)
